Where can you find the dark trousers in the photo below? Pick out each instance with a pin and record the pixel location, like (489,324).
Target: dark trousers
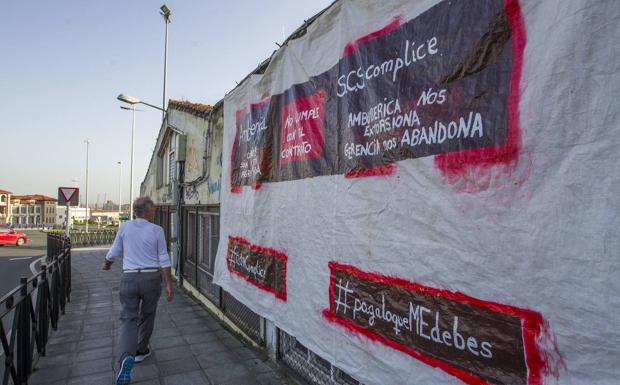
(139,294)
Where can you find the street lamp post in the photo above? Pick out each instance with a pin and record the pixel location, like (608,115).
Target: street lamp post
(133,139)
(87,216)
(165,13)
(120,183)
(132,101)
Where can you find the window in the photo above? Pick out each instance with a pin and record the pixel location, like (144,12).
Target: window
(208,236)
(172,222)
(171,168)
(160,171)
(190,236)
(2,198)
(166,165)
(170,173)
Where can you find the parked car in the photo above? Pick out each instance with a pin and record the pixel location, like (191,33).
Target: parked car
(9,236)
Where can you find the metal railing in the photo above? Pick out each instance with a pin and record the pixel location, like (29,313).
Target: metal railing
(309,365)
(199,242)
(243,317)
(92,238)
(28,311)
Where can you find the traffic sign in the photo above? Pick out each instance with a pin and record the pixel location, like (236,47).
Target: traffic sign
(68,196)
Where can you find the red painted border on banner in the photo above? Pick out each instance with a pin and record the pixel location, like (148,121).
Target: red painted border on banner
(262,250)
(532,323)
(236,189)
(387,169)
(352,46)
(453,165)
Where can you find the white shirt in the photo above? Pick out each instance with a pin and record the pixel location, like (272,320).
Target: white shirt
(142,245)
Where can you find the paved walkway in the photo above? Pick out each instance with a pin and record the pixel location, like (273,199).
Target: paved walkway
(190,347)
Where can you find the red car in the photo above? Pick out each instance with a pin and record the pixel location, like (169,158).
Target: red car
(8,236)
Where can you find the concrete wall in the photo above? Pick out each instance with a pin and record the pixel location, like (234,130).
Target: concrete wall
(203,162)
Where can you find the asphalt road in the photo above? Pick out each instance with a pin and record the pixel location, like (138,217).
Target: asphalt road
(15,261)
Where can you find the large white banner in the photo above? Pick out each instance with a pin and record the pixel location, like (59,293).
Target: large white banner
(425,192)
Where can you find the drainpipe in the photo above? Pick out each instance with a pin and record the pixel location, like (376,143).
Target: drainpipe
(179,198)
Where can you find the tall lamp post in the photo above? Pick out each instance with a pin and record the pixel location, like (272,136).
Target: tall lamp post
(165,13)
(132,101)
(133,139)
(120,183)
(87,216)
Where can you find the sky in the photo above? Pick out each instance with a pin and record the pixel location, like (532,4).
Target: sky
(63,63)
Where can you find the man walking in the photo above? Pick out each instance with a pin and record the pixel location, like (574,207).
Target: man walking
(144,251)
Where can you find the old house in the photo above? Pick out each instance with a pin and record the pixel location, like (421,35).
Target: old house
(410,192)
(5,206)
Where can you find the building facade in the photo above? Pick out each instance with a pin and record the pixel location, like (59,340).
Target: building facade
(33,210)
(5,206)
(412,192)
(184,180)
(75,214)
(105,217)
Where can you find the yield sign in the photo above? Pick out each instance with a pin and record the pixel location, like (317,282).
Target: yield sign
(68,195)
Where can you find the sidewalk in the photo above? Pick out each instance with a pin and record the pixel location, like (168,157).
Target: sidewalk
(190,347)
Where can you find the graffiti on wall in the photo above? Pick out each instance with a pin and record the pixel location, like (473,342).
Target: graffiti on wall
(392,97)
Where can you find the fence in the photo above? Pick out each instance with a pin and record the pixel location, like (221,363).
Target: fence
(28,311)
(200,238)
(92,238)
(309,365)
(199,241)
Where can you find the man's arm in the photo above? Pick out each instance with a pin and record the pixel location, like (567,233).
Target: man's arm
(115,251)
(164,263)
(167,274)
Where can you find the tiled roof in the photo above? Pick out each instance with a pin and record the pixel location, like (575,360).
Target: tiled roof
(5,192)
(197,109)
(35,197)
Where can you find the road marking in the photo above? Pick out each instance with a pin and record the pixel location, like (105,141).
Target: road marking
(19,259)
(32,265)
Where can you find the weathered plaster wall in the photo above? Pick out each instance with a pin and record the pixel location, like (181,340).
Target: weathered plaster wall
(203,166)
(206,190)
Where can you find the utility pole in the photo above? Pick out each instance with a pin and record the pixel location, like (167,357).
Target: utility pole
(133,139)
(87,216)
(165,13)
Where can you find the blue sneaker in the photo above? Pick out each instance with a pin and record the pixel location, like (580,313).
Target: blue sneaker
(124,373)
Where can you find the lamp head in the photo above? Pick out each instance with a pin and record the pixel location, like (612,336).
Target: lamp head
(128,99)
(165,12)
